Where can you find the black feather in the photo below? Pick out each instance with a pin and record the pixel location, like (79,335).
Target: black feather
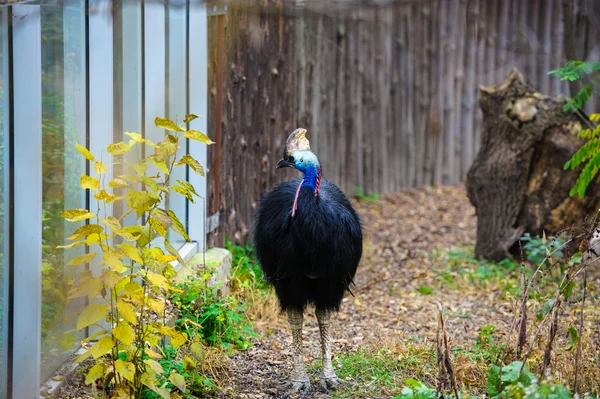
(310,258)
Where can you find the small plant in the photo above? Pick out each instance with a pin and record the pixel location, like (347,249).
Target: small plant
(541,249)
(360,194)
(217,320)
(588,153)
(127,291)
(417,390)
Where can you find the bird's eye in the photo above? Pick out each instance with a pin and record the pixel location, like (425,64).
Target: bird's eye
(301,160)
(291,158)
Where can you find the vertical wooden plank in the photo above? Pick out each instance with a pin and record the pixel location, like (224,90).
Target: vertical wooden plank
(490,58)
(481,32)
(470,89)
(547,43)
(459,101)
(558,52)
(441,81)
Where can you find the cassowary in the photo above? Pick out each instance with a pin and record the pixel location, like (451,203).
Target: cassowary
(308,240)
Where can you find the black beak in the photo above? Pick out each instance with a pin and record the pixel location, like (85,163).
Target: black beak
(284,164)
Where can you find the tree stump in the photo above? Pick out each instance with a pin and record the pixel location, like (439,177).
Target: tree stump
(517,183)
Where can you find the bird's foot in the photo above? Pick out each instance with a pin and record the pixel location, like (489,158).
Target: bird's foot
(330,383)
(296,388)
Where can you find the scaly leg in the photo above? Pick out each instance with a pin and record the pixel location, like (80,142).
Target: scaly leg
(298,380)
(329,379)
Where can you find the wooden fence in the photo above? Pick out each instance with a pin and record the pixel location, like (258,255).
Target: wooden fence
(388,93)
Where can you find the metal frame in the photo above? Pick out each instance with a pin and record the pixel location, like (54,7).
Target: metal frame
(27,205)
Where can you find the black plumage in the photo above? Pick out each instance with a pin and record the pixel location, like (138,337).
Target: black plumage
(311,257)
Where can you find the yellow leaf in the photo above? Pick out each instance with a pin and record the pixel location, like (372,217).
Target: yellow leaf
(192,163)
(174,252)
(153,354)
(133,178)
(189,187)
(178,381)
(93,313)
(124,333)
(67,341)
(135,292)
(132,252)
(177,338)
(127,311)
(118,149)
(74,244)
(90,182)
(177,225)
(156,305)
(93,336)
(99,168)
(595,117)
(158,226)
(112,222)
(165,123)
(167,148)
(197,351)
(137,138)
(160,164)
(162,216)
(165,258)
(189,363)
(76,215)
(190,117)
(151,184)
(110,278)
(83,356)
(85,231)
(84,151)
(102,347)
(196,135)
(154,365)
(102,195)
(140,201)
(151,383)
(157,280)
(95,373)
(184,192)
(112,261)
(117,183)
(82,259)
(139,168)
(126,369)
(90,288)
(146,235)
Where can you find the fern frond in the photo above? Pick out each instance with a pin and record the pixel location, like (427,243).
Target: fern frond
(587,151)
(587,175)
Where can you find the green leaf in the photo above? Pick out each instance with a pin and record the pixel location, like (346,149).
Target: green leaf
(67,341)
(140,201)
(152,383)
(82,259)
(146,235)
(93,313)
(95,373)
(178,381)
(544,310)
(196,135)
(76,215)
(124,333)
(84,151)
(165,123)
(89,182)
(493,381)
(190,117)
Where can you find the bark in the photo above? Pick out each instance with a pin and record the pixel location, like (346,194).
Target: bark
(517,183)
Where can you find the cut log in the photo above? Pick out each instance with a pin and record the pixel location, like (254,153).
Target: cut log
(517,183)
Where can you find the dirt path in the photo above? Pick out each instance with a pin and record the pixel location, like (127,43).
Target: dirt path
(402,230)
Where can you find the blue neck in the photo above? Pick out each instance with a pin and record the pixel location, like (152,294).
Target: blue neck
(312,177)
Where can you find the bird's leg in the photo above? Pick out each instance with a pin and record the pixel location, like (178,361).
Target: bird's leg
(298,380)
(329,379)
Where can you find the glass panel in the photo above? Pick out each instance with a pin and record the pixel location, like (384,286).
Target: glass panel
(176,101)
(4,125)
(63,125)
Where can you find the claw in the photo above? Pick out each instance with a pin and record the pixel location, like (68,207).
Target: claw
(294,387)
(330,383)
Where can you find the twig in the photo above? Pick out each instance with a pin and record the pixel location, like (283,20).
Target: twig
(444,364)
(578,352)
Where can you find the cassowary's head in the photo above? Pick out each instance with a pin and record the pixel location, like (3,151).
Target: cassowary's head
(297,153)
